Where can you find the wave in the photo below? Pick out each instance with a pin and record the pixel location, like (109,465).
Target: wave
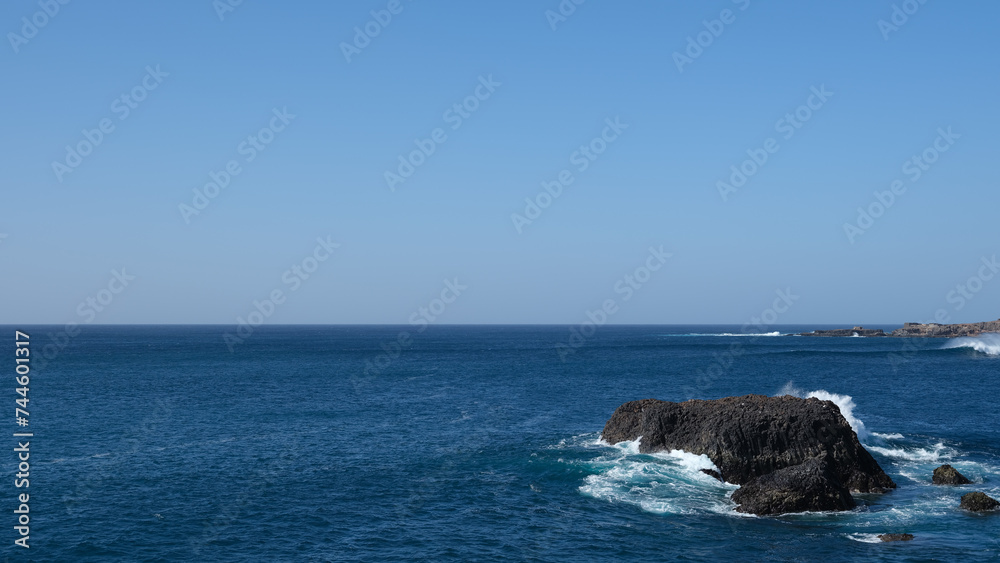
(692,463)
(745,334)
(936,453)
(660,483)
(988,344)
(844,402)
(865,538)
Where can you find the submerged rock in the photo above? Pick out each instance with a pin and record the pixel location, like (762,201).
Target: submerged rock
(808,486)
(896,537)
(979,502)
(948,475)
(752,436)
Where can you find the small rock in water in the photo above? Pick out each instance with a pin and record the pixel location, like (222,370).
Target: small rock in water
(895,537)
(979,502)
(948,475)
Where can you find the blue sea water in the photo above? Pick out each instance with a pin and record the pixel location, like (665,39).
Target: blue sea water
(465,443)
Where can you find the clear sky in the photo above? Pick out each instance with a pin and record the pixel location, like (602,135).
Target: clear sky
(185,88)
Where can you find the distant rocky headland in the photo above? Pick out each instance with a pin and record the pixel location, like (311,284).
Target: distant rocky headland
(916,330)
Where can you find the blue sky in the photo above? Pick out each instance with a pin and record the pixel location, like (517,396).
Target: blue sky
(212,82)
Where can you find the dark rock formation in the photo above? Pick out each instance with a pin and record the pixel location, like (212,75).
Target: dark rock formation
(858,330)
(896,537)
(978,502)
(808,486)
(751,436)
(916,330)
(934,330)
(948,475)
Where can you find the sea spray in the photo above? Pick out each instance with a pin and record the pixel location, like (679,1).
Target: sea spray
(988,344)
(934,454)
(844,402)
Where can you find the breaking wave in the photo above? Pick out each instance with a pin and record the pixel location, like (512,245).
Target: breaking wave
(988,344)
(750,334)
(660,483)
(933,454)
(844,402)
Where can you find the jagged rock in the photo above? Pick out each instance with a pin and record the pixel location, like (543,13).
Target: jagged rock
(916,330)
(896,537)
(751,436)
(934,330)
(789,454)
(808,486)
(978,502)
(948,475)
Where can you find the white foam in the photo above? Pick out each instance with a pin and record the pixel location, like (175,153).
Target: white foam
(587,440)
(893,436)
(988,344)
(936,453)
(844,402)
(627,447)
(865,538)
(660,483)
(775,333)
(690,462)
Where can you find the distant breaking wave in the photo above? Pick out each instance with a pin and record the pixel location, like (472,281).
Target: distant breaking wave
(775,333)
(988,344)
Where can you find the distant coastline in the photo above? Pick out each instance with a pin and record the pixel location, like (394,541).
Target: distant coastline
(916,330)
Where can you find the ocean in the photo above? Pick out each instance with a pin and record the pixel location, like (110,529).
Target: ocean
(473,443)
